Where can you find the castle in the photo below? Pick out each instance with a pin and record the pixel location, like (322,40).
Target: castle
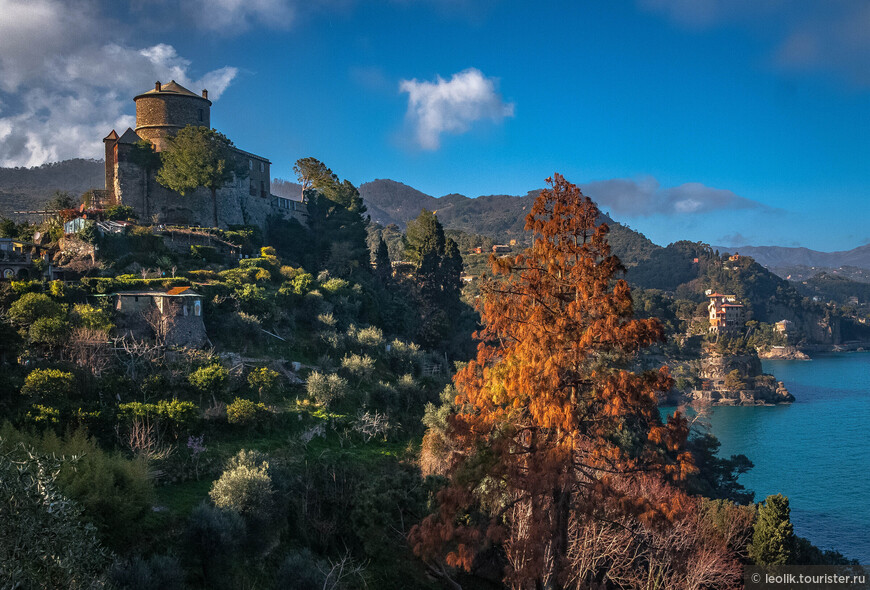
(160,114)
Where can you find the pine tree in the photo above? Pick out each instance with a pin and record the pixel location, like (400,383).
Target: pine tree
(773,540)
(382,263)
(335,218)
(548,424)
(437,276)
(199,157)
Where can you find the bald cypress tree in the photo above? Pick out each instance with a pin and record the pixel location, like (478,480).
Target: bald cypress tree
(549,425)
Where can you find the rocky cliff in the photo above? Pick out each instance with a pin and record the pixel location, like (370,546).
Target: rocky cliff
(738,380)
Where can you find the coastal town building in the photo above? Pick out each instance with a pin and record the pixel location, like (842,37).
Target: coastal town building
(160,114)
(21,260)
(784,326)
(725,314)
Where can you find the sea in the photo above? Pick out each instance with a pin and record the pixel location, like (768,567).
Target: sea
(816,451)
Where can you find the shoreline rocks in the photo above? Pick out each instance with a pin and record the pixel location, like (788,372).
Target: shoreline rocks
(783,353)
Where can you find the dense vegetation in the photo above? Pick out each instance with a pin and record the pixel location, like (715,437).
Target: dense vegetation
(324,421)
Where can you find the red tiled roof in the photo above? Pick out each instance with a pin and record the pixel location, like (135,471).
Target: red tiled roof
(177,290)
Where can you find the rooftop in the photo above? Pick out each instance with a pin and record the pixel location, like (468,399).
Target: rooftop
(172,88)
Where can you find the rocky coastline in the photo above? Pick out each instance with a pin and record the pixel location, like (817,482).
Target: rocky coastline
(733,380)
(783,353)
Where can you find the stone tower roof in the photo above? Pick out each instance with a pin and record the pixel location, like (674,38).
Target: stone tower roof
(173,88)
(129,136)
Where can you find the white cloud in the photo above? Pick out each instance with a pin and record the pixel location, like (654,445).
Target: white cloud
(644,197)
(452,106)
(62,93)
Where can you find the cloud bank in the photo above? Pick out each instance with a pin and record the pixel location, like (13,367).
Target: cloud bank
(61,93)
(236,16)
(452,106)
(645,197)
(804,35)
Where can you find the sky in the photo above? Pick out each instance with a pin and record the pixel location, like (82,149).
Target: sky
(733,122)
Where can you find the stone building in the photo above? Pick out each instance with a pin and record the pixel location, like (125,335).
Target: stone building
(179,311)
(160,114)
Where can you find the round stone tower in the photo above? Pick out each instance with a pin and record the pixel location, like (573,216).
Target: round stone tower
(161,112)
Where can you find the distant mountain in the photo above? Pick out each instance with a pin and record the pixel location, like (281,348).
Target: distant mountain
(501,217)
(31,188)
(780,257)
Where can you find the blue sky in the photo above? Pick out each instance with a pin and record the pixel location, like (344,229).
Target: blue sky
(728,121)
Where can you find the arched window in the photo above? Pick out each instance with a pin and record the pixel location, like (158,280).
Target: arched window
(197,307)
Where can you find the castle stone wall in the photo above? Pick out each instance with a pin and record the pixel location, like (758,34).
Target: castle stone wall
(158,204)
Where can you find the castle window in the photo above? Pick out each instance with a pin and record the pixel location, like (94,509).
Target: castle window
(251,164)
(197,307)
(200,115)
(262,167)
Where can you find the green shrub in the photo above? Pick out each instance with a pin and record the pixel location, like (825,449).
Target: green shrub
(114,492)
(361,366)
(245,486)
(43,416)
(202,275)
(404,356)
(22,287)
(371,337)
(290,272)
(120,213)
(176,414)
(326,390)
(38,520)
(265,381)
(252,299)
(57,289)
(335,286)
(50,386)
(210,379)
(245,412)
(302,283)
(91,317)
(33,306)
(49,331)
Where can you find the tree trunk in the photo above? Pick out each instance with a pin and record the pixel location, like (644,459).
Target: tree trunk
(214,205)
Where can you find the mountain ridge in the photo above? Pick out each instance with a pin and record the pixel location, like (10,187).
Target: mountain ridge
(501,217)
(785,256)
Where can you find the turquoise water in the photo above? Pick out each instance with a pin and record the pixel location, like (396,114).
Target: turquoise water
(816,451)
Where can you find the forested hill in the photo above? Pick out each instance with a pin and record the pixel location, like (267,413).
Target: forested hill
(500,217)
(31,188)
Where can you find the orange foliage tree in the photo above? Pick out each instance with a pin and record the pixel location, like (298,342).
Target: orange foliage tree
(550,424)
